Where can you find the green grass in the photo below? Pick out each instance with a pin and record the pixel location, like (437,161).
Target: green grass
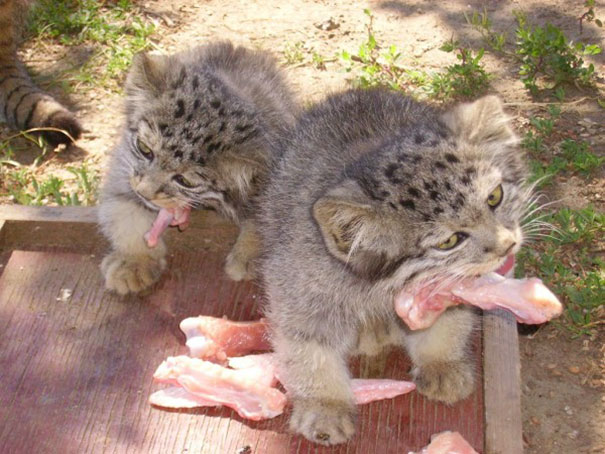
(25,185)
(116,30)
(568,263)
(566,257)
(569,155)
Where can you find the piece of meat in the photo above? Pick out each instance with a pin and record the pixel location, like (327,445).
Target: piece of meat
(370,390)
(447,443)
(246,387)
(243,390)
(528,299)
(167,217)
(216,339)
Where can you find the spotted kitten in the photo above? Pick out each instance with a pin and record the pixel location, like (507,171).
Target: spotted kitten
(201,130)
(374,193)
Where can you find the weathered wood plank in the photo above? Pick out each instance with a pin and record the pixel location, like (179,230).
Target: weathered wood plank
(48,214)
(76,372)
(501,381)
(75,229)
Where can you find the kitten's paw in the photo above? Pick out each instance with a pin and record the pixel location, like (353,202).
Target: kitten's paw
(131,274)
(238,267)
(447,381)
(327,422)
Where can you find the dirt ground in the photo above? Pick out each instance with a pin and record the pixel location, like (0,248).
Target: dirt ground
(563,379)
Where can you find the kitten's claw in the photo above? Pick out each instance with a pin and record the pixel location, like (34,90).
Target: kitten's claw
(327,422)
(447,381)
(131,274)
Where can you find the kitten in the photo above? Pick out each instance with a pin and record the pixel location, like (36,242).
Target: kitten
(376,192)
(201,131)
(23,104)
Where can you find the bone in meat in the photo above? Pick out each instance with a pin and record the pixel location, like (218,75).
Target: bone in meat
(247,389)
(209,383)
(528,299)
(447,443)
(216,339)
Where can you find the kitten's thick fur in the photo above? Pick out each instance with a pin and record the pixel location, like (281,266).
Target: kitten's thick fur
(368,188)
(202,130)
(23,104)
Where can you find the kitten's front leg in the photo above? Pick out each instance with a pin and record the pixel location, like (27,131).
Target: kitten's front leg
(240,261)
(443,369)
(132,266)
(317,380)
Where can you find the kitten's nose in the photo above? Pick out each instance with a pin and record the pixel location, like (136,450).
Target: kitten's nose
(146,188)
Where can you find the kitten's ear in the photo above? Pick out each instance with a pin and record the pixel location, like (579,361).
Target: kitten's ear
(349,225)
(341,216)
(147,75)
(481,122)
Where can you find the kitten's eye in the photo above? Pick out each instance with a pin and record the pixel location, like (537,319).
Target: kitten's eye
(453,241)
(144,149)
(180,179)
(495,197)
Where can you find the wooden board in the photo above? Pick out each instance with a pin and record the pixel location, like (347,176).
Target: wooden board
(76,373)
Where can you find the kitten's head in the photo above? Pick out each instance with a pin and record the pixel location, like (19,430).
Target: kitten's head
(440,199)
(185,132)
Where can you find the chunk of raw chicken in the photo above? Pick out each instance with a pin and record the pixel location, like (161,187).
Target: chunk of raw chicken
(528,299)
(248,388)
(216,339)
(248,391)
(447,443)
(244,383)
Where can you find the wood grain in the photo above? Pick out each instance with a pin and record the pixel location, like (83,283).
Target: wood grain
(76,373)
(502,376)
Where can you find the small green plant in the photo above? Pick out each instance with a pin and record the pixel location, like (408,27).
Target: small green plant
(293,53)
(543,127)
(548,59)
(319,61)
(482,23)
(579,156)
(589,15)
(375,68)
(465,79)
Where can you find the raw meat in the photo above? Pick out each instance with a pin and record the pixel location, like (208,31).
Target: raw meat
(245,390)
(165,218)
(248,388)
(216,339)
(447,443)
(528,299)
(369,390)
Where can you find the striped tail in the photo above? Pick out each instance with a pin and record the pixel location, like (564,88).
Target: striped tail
(24,105)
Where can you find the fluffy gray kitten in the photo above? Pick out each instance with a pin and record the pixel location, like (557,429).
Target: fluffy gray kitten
(376,192)
(201,131)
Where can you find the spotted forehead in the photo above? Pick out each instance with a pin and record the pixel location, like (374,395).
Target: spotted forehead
(425,186)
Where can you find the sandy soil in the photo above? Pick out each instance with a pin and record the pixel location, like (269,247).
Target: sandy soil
(563,379)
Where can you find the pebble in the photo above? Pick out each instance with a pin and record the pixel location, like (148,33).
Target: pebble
(551,366)
(568,410)
(574,369)
(534,420)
